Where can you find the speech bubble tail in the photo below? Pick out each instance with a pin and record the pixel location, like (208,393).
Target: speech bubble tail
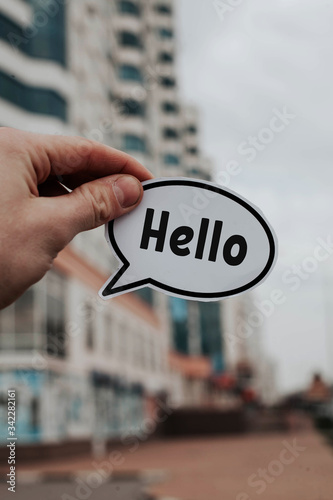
(119,283)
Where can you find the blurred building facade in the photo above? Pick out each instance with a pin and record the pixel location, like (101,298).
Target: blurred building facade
(105,70)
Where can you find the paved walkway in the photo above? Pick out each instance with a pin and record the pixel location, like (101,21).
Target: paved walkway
(280,466)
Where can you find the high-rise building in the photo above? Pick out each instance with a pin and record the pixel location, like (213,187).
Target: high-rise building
(104,70)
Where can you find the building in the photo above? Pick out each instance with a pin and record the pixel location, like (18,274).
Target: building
(86,370)
(252,371)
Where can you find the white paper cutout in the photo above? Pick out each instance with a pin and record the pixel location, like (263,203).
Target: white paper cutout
(190,238)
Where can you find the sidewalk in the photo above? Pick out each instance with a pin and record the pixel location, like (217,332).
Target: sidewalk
(288,466)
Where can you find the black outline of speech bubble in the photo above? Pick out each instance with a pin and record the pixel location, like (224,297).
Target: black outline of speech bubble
(107,290)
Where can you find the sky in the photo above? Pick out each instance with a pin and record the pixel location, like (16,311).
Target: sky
(261,74)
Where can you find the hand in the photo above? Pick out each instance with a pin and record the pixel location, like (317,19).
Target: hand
(38,217)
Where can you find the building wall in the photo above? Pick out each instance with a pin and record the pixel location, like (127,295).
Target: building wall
(105,70)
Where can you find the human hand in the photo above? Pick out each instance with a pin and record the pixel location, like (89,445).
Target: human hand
(38,217)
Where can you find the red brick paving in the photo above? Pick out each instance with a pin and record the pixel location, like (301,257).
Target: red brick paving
(219,468)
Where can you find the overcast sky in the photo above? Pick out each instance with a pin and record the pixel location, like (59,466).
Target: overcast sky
(243,66)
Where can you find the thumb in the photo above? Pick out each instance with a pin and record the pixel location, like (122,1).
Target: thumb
(91,205)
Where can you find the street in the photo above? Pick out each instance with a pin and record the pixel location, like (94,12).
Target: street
(288,465)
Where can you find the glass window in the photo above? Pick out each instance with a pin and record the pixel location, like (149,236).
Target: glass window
(170,133)
(192,151)
(165,57)
(179,316)
(35,413)
(134,143)
(32,99)
(170,159)
(146,294)
(91,9)
(17,323)
(194,171)
(167,81)
(165,33)
(127,72)
(210,328)
(170,107)
(24,309)
(47,42)
(55,315)
(55,327)
(198,173)
(132,107)
(89,315)
(127,7)
(163,9)
(191,129)
(128,39)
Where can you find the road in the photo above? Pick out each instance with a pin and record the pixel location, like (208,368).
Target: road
(271,466)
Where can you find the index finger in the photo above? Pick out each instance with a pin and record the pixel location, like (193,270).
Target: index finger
(67,155)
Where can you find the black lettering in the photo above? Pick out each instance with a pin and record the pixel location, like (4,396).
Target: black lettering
(181,236)
(215,240)
(202,238)
(229,244)
(159,233)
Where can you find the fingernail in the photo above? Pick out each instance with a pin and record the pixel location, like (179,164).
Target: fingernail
(127,190)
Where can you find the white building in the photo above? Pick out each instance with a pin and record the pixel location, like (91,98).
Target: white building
(105,70)
(245,354)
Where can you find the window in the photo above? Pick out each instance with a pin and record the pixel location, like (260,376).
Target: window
(192,151)
(91,9)
(210,328)
(179,317)
(169,107)
(131,107)
(170,133)
(163,9)
(198,173)
(126,7)
(170,159)
(165,33)
(55,315)
(134,143)
(18,323)
(194,171)
(127,72)
(34,99)
(167,81)
(191,129)
(165,57)
(35,413)
(146,294)
(89,315)
(24,307)
(128,39)
(47,42)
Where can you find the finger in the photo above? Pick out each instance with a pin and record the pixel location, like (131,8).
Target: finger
(89,206)
(68,156)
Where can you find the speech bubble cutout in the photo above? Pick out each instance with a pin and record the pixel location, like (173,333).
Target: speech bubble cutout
(192,239)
